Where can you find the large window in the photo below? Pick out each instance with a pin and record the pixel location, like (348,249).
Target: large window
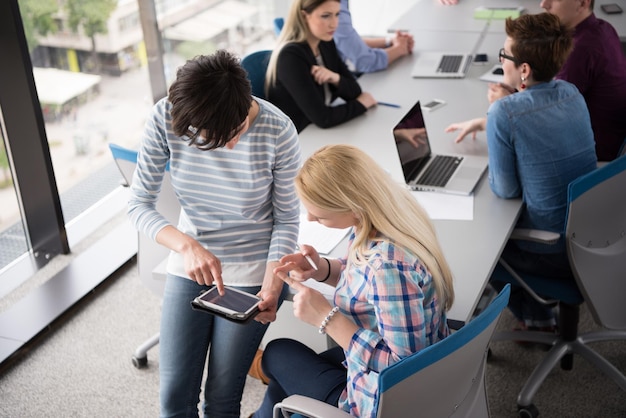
(90,89)
(13,239)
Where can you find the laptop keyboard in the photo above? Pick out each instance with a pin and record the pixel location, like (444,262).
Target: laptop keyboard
(450,64)
(440,170)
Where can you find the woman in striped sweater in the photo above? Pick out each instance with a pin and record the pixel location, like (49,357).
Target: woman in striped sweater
(232,159)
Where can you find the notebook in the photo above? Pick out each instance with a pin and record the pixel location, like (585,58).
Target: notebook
(423,170)
(441,65)
(494,13)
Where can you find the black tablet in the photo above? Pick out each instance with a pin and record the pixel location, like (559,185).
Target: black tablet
(235,304)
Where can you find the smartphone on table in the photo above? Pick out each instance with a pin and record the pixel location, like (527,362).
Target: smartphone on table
(235,304)
(433,104)
(611,8)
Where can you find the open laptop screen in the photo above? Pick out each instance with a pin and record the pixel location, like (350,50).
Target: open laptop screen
(412,143)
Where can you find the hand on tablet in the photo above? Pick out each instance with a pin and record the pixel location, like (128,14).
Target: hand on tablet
(267,307)
(203,266)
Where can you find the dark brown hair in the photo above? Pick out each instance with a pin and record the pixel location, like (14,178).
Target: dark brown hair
(211,93)
(541,41)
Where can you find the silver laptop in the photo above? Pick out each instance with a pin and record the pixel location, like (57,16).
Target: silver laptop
(441,65)
(423,170)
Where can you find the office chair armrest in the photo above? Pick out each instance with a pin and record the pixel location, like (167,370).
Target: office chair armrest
(535,235)
(309,407)
(522,283)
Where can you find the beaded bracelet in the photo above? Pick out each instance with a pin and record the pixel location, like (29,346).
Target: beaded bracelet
(327,274)
(322,329)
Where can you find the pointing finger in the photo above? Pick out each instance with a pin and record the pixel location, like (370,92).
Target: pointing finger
(290,281)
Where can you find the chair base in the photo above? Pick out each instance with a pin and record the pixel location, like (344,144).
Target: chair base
(140,356)
(560,349)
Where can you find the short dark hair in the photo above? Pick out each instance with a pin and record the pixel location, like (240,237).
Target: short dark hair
(210,93)
(541,41)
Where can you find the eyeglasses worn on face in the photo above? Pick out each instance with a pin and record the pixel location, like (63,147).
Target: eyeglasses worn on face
(502,56)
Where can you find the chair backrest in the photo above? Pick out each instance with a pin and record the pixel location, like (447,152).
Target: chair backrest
(447,378)
(150,254)
(278,25)
(255,64)
(596,241)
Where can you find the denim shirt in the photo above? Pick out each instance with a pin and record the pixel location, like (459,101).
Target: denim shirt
(539,140)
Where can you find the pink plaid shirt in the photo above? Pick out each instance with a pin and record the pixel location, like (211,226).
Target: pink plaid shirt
(392,299)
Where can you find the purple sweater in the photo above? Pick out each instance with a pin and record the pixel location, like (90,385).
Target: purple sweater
(597,66)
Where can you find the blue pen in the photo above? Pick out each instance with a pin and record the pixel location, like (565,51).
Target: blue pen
(388,104)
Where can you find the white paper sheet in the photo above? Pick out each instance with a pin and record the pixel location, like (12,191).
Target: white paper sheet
(446,206)
(322,238)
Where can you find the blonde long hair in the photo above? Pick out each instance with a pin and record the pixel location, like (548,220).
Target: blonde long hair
(294,29)
(342,178)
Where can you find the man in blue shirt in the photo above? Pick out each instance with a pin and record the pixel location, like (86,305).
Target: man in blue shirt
(367,55)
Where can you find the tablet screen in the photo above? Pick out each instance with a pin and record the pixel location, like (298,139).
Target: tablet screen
(233,300)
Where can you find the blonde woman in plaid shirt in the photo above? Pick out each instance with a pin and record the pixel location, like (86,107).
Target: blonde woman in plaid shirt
(392,289)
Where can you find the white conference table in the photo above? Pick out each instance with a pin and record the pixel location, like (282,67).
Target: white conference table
(432,15)
(471,247)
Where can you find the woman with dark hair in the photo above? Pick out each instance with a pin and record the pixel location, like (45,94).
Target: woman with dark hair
(232,159)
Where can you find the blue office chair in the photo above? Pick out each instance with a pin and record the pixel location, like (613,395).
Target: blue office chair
(446,379)
(255,65)
(150,255)
(595,236)
(278,25)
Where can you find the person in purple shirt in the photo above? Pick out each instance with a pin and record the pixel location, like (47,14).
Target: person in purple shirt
(597,67)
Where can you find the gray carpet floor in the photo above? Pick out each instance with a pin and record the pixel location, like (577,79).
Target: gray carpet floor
(81,366)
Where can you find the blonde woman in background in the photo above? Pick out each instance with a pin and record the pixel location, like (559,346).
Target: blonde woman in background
(306,73)
(393,288)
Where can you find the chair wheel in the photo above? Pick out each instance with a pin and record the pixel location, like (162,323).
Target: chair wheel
(528,411)
(140,362)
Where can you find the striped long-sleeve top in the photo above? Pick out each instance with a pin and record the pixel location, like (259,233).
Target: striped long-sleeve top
(239,203)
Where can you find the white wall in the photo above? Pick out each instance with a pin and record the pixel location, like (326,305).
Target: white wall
(369,17)
(374,17)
